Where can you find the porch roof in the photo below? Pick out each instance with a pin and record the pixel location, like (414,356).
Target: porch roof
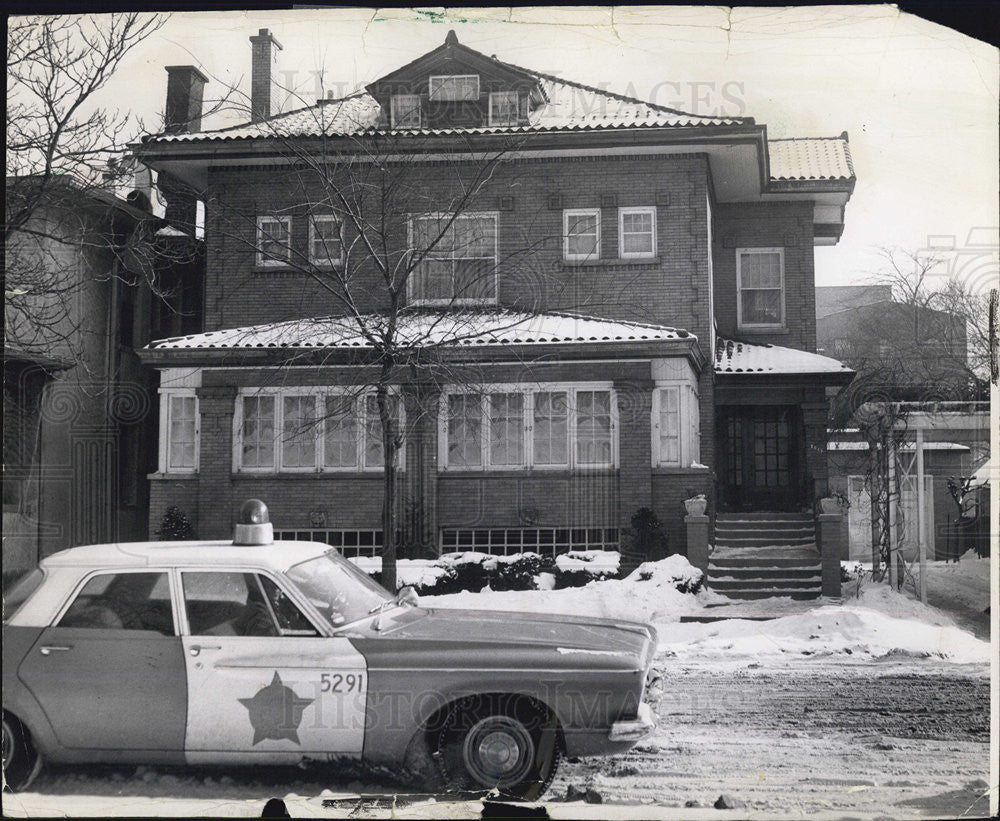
(426,329)
(747,359)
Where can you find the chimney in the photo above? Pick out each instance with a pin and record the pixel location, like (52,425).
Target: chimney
(260,81)
(185,92)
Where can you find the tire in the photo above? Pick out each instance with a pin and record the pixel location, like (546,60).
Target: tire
(21,761)
(509,744)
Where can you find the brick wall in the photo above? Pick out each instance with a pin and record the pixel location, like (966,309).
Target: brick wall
(670,290)
(785,225)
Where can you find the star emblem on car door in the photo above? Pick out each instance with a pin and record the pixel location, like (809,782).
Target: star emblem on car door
(275,711)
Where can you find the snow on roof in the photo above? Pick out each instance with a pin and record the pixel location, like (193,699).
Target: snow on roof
(571,106)
(426,328)
(814,158)
(742,357)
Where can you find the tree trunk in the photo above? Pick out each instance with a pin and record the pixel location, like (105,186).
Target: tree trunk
(389,448)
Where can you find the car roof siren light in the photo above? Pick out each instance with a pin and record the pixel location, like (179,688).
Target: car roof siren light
(254,526)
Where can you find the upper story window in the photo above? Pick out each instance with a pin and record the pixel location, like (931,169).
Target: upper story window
(178,431)
(516,427)
(503,108)
(274,240)
(637,232)
(581,234)
(405,111)
(760,278)
(310,430)
(460,265)
(326,247)
(448,87)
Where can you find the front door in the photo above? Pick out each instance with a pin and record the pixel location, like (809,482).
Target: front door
(109,674)
(264,685)
(759,453)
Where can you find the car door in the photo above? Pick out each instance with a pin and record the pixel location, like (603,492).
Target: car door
(109,672)
(264,683)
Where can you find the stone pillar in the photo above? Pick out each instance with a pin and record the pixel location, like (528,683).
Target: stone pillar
(697,541)
(215,462)
(829,540)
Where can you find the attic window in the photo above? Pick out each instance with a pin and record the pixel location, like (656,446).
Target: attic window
(446,87)
(405,111)
(503,108)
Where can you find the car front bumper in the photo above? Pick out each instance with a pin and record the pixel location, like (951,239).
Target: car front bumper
(634,729)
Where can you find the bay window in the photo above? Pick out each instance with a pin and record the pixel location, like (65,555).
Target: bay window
(309,430)
(559,426)
(180,434)
(760,278)
(676,425)
(459,258)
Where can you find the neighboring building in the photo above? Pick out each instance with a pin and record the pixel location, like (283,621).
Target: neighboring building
(907,352)
(658,343)
(79,428)
(916,356)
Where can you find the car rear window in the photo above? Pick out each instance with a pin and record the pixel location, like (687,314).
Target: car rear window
(20,592)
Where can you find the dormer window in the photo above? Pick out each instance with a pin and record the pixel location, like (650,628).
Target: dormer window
(448,87)
(503,108)
(405,111)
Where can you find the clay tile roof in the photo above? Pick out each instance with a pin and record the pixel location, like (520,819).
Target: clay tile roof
(819,158)
(427,328)
(732,357)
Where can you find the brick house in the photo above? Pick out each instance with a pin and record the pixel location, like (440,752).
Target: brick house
(646,332)
(79,429)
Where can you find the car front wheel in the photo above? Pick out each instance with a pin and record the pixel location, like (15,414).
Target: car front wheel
(508,744)
(21,761)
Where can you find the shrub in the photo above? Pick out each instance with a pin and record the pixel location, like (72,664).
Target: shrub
(515,572)
(647,537)
(175,525)
(577,568)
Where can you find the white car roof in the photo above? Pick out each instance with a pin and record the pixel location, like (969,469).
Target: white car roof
(279,555)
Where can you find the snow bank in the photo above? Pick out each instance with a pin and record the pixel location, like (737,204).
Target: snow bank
(877,624)
(416,572)
(648,594)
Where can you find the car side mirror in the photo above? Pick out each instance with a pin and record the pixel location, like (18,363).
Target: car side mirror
(407,595)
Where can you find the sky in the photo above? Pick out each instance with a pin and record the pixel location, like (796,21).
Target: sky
(918,101)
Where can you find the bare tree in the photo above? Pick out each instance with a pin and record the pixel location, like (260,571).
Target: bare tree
(62,169)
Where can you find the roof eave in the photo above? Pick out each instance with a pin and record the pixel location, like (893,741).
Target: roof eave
(763,378)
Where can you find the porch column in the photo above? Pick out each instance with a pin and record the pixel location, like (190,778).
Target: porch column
(419,502)
(215,462)
(829,540)
(814,423)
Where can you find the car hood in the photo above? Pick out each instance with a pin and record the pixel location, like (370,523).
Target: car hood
(567,635)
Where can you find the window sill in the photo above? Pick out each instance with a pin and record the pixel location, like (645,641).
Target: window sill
(172,476)
(504,473)
(618,262)
(780,330)
(311,474)
(277,271)
(677,471)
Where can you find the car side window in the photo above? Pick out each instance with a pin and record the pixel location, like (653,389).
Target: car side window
(123,601)
(226,604)
(291,621)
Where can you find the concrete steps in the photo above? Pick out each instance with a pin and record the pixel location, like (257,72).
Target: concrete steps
(760,555)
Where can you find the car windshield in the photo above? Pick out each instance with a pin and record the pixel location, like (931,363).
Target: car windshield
(338,589)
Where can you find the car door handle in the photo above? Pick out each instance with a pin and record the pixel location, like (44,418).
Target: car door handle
(48,649)
(197,648)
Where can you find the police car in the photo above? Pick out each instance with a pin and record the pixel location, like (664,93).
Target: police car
(262,652)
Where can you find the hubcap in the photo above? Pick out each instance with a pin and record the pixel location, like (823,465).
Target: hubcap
(498,750)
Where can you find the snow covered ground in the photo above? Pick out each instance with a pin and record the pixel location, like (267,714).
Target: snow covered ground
(872,622)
